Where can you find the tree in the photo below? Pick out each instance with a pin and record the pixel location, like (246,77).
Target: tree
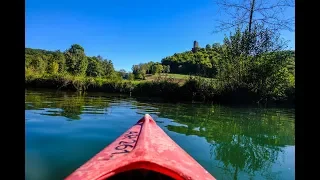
(94,68)
(54,68)
(208,47)
(122,72)
(254,60)
(76,60)
(59,58)
(108,69)
(156,68)
(130,76)
(270,75)
(216,46)
(199,63)
(38,64)
(139,71)
(148,67)
(246,13)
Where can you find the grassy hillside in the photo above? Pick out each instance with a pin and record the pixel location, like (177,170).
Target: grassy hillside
(176,78)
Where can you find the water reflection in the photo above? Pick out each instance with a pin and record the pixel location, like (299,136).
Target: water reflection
(244,143)
(69,105)
(241,140)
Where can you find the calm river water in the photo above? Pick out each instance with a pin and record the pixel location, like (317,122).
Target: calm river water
(64,130)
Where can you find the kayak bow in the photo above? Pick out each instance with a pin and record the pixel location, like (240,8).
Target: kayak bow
(146,150)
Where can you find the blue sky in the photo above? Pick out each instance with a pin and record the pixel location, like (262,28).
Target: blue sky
(127,32)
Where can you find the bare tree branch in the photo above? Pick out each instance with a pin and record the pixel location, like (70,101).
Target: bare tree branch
(245,13)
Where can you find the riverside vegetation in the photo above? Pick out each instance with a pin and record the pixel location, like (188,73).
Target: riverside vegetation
(249,67)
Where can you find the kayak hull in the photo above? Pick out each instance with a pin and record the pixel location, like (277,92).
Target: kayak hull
(144,146)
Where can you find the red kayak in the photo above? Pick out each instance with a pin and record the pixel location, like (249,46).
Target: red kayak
(145,151)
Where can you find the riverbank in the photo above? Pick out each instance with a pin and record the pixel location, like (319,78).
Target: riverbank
(193,89)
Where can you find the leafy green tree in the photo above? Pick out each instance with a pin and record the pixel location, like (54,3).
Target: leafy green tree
(38,64)
(54,68)
(254,60)
(55,62)
(130,76)
(197,63)
(156,68)
(148,67)
(270,76)
(76,60)
(108,69)
(94,68)
(139,71)
(59,58)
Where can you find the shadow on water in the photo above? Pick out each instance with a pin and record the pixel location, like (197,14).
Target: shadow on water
(245,143)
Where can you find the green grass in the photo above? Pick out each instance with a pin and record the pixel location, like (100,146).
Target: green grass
(180,79)
(177,78)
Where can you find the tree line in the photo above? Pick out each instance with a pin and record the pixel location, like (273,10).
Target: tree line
(72,61)
(255,60)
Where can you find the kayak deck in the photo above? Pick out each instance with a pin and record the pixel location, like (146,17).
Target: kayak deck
(144,150)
